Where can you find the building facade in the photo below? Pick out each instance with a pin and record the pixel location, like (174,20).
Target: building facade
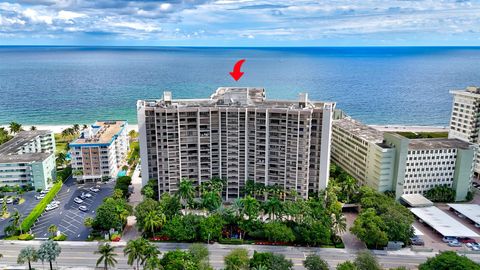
(28,159)
(237,135)
(100,151)
(389,161)
(465,118)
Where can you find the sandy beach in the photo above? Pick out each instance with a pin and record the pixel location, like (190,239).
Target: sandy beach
(60,128)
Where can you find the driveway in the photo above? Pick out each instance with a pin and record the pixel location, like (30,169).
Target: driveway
(24,209)
(68,218)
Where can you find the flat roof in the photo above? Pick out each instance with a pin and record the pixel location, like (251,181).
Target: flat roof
(416,200)
(440,143)
(416,231)
(25,158)
(442,222)
(360,130)
(14,145)
(471,211)
(102,132)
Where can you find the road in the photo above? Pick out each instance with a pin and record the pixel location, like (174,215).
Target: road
(80,254)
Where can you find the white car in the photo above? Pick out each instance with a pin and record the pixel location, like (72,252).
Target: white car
(78,200)
(43,192)
(83,208)
(9,200)
(94,189)
(1,200)
(39,197)
(55,202)
(87,195)
(51,207)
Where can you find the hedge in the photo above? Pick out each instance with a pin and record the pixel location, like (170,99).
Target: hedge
(27,223)
(26,237)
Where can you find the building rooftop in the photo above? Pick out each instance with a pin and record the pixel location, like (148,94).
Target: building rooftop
(102,132)
(360,130)
(442,222)
(471,211)
(416,200)
(442,143)
(235,97)
(472,91)
(14,145)
(24,158)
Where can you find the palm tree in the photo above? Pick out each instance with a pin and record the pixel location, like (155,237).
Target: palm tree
(250,207)
(154,220)
(107,256)
(135,251)
(273,207)
(348,187)
(15,127)
(16,219)
(61,158)
(27,254)
(32,128)
(186,191)
(84,126)
(53,229)
(150,252)
(339,225)
(76,128)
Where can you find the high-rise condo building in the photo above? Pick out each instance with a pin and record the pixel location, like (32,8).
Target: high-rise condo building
(28,159)
(389,161)
(100,151)
(237,134)
(465,118)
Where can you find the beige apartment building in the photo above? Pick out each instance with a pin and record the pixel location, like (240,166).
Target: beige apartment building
(465,118)
(237,134)
(100,151)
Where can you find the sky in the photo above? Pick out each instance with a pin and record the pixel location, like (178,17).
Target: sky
(240,23)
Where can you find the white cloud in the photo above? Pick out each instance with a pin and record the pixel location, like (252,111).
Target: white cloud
(69,15)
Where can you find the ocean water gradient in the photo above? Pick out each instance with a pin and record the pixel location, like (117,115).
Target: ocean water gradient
(377,85)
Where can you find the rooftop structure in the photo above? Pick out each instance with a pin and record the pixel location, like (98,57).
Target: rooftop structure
(438,144)
(471,211)
(18,143)
(416,200)
(237,134)
(102,132)
(360,130)
(443,223)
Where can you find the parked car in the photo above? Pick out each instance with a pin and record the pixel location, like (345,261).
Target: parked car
(465,240)
(87,195)
(9,200)
(447,239)
(477,225)
(417,241)
(51,207)
(82,196)
(1,200)
(39,197)
(94,189)
(83,208)
(78,200)
(43,192)
(16,200)
(454,244)
(55,202)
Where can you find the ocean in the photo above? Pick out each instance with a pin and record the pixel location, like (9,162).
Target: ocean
(377,85)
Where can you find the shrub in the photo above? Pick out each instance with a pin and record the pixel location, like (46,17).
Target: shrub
(61,237)
(27,223)
(26,237)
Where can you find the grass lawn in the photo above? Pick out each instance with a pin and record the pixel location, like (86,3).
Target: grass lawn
(424,135)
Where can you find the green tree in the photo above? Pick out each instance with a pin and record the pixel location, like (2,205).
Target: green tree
(154,220)
(273,208)
(270,261)
(52,229)
(107,256)
(16,220)
(170,205)
(366,261)
(61,159)
(339,225)
(347,265)
(251,207)
(183,228)
(211,200)
(15,127)
(315,262)
(448,260)
(148,192)
(88,222)
(33,128)
(27,255)
(150,251)
(200,255)
(369,228)
(143,208)
(211,227)
(112,213)
(278,232)
(237,259)
(178,260)
(441,194)
(186,192)
(135,251)
(49,251)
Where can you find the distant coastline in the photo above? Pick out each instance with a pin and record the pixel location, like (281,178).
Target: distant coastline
(60,128)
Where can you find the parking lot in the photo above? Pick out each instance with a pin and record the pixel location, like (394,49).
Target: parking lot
(67,217)
(24,208)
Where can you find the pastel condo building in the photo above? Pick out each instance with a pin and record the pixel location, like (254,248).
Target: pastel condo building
(100,151)
(236,134)
(28,159)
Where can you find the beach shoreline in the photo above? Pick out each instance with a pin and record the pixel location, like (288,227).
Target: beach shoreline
(60,128)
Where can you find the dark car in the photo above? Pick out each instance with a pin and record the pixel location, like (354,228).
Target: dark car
(417,241)
(16,201)
(465,240)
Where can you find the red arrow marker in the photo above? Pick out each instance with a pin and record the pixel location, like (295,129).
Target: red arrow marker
(236,73)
